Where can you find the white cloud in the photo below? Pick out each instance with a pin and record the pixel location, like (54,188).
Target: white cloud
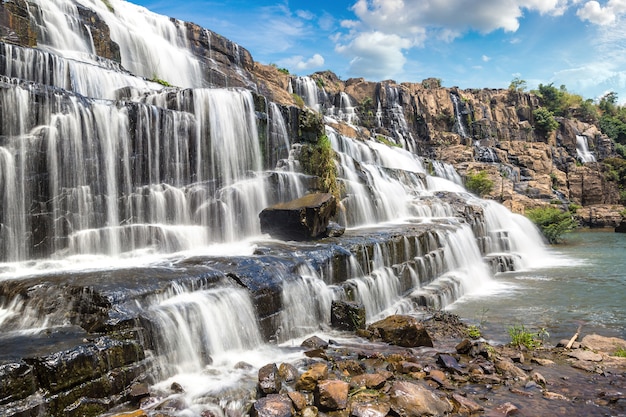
(300,63)
(597,14)
(485,58)
(407,17)
(376,54)
(305,14)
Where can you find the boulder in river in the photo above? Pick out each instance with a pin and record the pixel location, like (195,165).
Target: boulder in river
(302,219)
(401,330)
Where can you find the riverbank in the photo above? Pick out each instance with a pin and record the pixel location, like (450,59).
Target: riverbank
(456,376)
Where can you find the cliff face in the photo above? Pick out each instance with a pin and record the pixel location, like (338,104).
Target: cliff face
(483,130)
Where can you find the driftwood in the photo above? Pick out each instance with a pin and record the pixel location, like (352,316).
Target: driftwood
(573,339)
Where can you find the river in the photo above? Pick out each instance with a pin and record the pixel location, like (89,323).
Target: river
(584,285)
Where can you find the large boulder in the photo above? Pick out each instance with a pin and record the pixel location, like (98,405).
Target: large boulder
(622,227)
(413,400)
(401,330)
(347,315)
(302,219)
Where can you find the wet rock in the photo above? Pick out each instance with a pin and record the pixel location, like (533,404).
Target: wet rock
(621,228)
(401,330)
(347,315)
(585,355)
(564,342)
(17,381)
(350,367)
(269,380)
(177,388)
(310,412)
(298,399)
(554,396)
(138,391)
(538,378)
(334,230)
(315,342)
(375,381)
(466,405)
(369,409)
(543,362)
(450,363)
(506,409)
(464,347)
(288,372)
(332,394)
(438,376)
(509,369)
(301,219)
(243,365)
(274,405)
(599,343)
(308,380)
(413,400)
(406,367)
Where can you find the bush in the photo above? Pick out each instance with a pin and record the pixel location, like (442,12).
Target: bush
(552,222)
(319,160)
(479,183)
(544,120)
(522,337)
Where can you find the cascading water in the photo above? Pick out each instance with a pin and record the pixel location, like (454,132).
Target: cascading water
(582,150)
(459,125)
(98,162)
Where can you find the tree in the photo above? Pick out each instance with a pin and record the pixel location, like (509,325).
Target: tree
(608,103)
(479,183)
(552,222)
(517,84)
(544,120)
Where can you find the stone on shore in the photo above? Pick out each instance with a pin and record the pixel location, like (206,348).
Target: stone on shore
(274,405)
(305,218)
(405,331)
(413,400)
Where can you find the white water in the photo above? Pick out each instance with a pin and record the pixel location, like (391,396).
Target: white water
(582,150)
(460,127)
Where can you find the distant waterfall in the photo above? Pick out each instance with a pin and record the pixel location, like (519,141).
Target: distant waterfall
(459,125)
(582,150)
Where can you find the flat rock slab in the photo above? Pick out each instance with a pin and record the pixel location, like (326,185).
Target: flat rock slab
(585,355)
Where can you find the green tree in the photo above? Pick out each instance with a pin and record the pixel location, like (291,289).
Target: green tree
(552,222)
(551,97)
(479,183)
(517,84)
(608,103)
(544,120)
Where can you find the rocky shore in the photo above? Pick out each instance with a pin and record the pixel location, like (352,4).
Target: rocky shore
(405,367)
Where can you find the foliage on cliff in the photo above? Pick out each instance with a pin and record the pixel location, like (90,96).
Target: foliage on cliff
(552,222)
(479,183)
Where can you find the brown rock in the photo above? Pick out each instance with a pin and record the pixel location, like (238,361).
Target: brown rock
(370,409)
(599,343)
(350,367)
(413,400)
(310,412)
(288,372)
(554,396)
(308,380)
(371,380)
(274,405)
(332,394)
(315,342)
(585,355)
(543,362)
(508,369)
(269,380)
(298,399)
(466,404)
(401,330)
(505,409)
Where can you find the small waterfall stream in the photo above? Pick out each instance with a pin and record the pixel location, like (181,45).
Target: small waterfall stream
(582,150)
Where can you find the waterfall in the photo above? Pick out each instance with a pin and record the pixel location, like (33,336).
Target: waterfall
(582,150)
(307,89)
(459,125)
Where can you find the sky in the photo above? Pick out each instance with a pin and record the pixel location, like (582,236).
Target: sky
(466,43)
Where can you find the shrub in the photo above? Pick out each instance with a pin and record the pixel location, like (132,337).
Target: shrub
(520,336)
(473,332)
(479,183)
(319,160)
(552,222)
(544,120)
(620,352)
(299,100)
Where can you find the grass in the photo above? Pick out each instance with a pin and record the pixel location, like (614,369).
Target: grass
(520,336)
(473,332)
(620,352)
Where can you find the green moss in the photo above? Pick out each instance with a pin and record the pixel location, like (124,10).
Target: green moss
(299,101)
(318,159)
(156,79)
(621,352)
(108,5)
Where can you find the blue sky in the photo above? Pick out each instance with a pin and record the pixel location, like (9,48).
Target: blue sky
(466,43)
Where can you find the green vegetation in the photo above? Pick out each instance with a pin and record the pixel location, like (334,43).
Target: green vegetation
(552,222)
(299,100)
(473,332)
(517,84)
(544,120)
(520,336)
(318,159)
(108,5)
(156,79)
(386,141)
(620,352)
(479,183)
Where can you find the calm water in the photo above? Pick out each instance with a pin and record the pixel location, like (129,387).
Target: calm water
(584,285)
